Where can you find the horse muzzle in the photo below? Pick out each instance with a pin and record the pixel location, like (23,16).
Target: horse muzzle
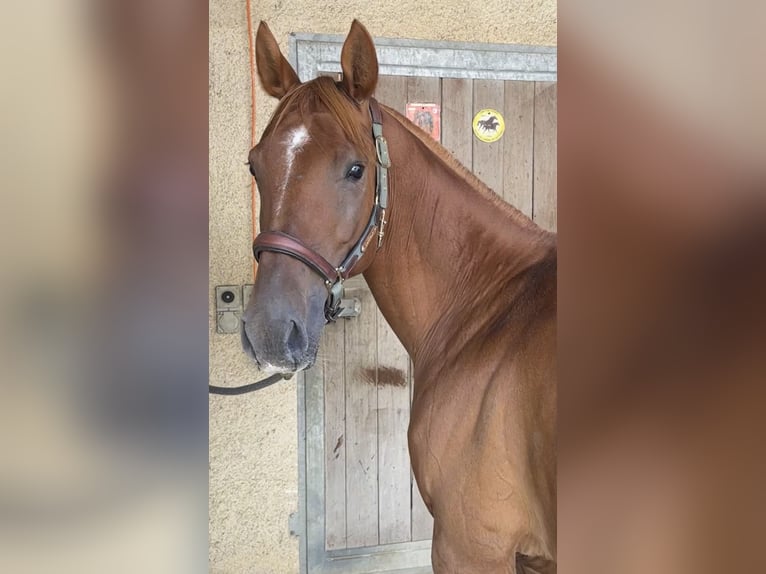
(283,321)
(283,348)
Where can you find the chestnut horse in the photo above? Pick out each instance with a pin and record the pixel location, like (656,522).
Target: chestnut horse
(466,282)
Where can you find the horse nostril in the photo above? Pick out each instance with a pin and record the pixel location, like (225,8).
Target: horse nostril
(296,341)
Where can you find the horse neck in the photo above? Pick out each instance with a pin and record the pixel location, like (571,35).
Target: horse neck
(449,247)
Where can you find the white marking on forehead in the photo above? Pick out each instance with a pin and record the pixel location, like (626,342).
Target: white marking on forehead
(295,141)
(297,138)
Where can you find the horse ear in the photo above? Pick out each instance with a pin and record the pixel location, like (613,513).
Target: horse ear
(359,63)
(276,73)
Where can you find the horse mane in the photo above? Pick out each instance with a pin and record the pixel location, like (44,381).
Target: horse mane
(470,178)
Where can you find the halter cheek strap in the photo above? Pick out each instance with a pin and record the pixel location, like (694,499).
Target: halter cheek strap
(286,244)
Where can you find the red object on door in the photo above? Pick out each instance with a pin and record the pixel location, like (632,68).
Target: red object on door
(427,117)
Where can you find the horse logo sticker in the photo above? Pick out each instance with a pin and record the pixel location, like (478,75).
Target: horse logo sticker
(488,125)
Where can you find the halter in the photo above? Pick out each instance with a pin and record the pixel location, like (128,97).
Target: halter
(280,242)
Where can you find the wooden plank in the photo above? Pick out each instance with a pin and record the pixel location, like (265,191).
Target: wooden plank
(518,145)
(422,521)
(301,524)
(402,511)
(488,157)
(361,424)
(393,402)
(545,174)
(424,90)
(393,417)
(313,395)
(392,91)
(457,114)
(332,364)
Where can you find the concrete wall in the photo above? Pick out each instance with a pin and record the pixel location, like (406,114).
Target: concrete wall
(253,444)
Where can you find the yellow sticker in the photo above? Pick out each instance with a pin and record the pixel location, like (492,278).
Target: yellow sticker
(488,125)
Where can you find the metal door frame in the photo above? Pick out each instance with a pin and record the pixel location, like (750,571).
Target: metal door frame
(313,54)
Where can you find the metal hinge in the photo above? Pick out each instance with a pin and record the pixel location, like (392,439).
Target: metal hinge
(350,308)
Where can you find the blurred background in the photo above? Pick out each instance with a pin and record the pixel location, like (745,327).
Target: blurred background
(103,242)
(662,237)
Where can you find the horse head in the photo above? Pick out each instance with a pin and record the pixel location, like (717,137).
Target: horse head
(316,178)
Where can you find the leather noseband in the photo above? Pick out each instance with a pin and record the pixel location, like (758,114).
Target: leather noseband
(280,242)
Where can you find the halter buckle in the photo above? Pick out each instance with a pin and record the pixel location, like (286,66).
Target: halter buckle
(381,149)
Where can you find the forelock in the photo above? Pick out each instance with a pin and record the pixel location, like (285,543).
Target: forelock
(323,94)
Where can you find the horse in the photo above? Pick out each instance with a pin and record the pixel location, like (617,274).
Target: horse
(467,283)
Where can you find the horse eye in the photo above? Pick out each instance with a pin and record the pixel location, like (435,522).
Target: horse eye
(251,168)
(356,171)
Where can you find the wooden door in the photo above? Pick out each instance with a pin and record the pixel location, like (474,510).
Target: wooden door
(363,510)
